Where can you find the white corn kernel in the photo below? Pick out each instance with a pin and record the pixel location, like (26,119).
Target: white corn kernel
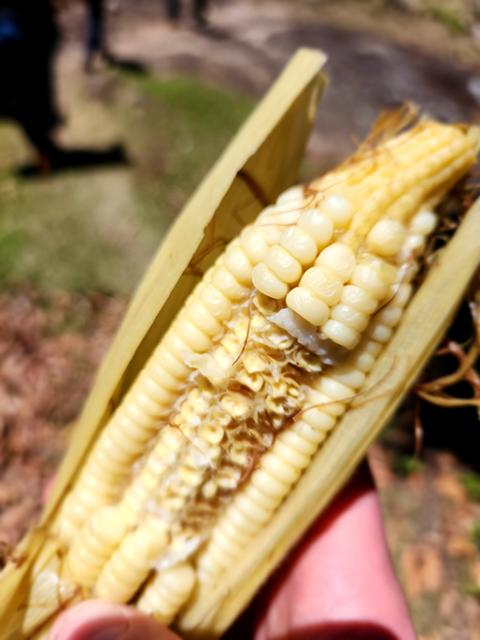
(229,530)
(423,223)
(299,244)
(386,237)
(341,334)
(165,358)
(167,592)
(374,277)
(198,313)
(251,509)
(159,377)
(239,520)
(318,417)
(228,284)
(364,361)
(230,545)
(325,403)
(217,303)
(254,244)
(237,262)
(340,258)
(318,226)
(177,347)
(130,564)
(309,433)
(267,282)
(193,337)
(349,376)
(294,195)
(390,316)
(271,485)
(264,500)
(283,264)
(308,306)
(333,388)
(291,439)
(278,468)
(373,348)
(351,317)
(358,298)
(401,294)
(413,246)
(290,455)
(338,209)
(323,283)
(381,333)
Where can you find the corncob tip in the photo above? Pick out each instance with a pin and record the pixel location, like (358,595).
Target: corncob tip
(378,208)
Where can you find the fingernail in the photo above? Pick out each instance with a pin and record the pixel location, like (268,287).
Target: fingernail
(114,631)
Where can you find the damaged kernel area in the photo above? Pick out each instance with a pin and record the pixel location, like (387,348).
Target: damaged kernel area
(263,359)
(236,401)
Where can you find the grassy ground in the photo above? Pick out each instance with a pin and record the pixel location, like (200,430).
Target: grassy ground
(96,228)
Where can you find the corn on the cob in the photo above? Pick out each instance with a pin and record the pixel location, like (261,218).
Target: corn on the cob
(267,353)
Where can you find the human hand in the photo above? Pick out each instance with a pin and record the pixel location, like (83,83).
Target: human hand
(337,584)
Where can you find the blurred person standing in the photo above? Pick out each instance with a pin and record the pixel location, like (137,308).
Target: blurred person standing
(96,51)
(199,10)
(28,39)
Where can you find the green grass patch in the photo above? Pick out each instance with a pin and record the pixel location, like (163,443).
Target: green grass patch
(475,534)
(12,243)
(191,123)
(472,590)
(471,482)
(450,19)
(404,464)
(97,228)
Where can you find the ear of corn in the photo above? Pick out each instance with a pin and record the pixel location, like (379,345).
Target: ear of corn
(244,387)
(251,378)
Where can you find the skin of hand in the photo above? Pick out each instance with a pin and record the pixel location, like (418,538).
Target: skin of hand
(338,584)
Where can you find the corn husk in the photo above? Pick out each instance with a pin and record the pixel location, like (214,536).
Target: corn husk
(261,161)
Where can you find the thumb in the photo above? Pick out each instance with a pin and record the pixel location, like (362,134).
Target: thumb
(95,620)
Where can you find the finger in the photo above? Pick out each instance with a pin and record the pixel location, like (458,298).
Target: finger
(340,579)
(95,620)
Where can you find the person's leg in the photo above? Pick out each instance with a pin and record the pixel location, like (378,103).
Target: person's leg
(38,123)
(173,10)
(199,11)
(95,31)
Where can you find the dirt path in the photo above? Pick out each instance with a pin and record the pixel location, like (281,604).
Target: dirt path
(250,42)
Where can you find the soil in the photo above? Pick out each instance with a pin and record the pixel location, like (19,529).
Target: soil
(50,347)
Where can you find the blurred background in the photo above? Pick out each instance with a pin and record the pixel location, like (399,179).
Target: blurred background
(110,114)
